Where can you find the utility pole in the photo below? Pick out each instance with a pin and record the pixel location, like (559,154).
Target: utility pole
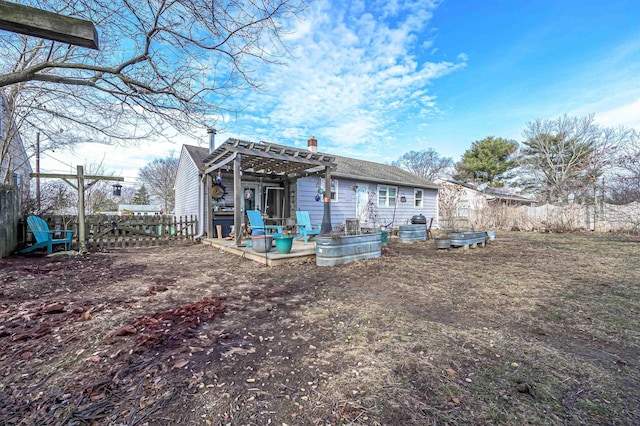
(38,171)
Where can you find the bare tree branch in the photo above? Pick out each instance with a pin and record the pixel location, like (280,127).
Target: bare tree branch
(161,63)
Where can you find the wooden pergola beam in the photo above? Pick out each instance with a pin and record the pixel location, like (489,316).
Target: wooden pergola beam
(80,187)
(52,26)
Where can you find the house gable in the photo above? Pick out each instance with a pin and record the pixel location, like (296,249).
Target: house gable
(186,189)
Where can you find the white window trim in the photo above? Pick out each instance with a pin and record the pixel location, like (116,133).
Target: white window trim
(334,190)
(387,203)
(415,198)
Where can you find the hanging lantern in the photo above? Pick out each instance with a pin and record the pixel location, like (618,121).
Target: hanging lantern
(117,189)
(219,177)
(317,197)
(403,199)
(320,191)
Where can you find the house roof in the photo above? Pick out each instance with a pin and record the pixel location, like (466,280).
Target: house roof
(140,207)
(384,173)
(197,154)
(493,192)
(345,167)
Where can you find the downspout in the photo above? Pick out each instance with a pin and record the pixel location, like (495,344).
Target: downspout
(201,212)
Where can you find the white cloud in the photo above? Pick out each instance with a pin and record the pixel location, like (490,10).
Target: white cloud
(626,115)
(354,76)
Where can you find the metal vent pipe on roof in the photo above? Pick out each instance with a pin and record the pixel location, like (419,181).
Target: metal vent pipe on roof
(212,139)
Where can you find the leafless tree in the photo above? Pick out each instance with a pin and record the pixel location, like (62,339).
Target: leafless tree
(159,176)
(127,195)
(624,187)
(57,198)
(567,155)
(448,196)
(427,164)
(161,63)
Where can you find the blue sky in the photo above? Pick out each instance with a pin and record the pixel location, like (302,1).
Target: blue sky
(376,79)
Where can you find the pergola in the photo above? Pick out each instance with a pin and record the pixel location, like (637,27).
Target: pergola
(269,160)
(53,26)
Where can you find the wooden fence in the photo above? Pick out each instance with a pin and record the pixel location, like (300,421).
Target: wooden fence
(556,218)
(9,218)
(111,231)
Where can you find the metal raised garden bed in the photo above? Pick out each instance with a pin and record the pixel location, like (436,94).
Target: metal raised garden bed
(467,238)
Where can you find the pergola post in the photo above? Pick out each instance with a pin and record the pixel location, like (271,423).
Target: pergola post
(82,235)
(80,187)
(326,216)
(237,199)
(209,205)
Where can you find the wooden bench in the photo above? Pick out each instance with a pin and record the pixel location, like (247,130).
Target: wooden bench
(44,237)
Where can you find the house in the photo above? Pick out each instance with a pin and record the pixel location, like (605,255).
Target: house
(139,210)
(14,160)
(278,180)
(469,206)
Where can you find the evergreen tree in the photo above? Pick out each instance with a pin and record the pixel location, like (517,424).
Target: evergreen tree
(142,196)
(489,159)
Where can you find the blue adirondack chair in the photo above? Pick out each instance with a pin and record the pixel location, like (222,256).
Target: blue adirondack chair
(305,228)
(44,237)
(256,223)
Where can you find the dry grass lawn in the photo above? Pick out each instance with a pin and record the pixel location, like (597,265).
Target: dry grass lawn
(532,329)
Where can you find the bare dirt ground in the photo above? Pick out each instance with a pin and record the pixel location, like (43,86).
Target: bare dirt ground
(533,329)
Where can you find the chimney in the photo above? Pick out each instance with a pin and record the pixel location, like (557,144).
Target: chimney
(312,144)
(212,139)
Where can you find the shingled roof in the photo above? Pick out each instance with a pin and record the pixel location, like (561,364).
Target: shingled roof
(351,168)
(377,172)
(198,154)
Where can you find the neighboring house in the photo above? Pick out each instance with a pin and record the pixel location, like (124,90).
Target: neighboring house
(14,161)
(474,206)
(139,209)
(376,194)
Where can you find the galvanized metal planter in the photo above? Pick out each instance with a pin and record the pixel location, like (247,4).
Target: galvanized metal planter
(340,249)
(442,243)
(467,238)
(261,243)
(413,233)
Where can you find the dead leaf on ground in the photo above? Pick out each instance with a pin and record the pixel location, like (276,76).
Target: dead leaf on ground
(127,331)
(56,308)
(451,372)
(240,351)
(180,363)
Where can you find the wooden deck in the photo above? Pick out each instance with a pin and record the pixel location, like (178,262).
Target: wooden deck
(299,252)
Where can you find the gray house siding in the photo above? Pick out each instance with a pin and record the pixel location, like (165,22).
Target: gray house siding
(345,207)
(14,161)
(186,186)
